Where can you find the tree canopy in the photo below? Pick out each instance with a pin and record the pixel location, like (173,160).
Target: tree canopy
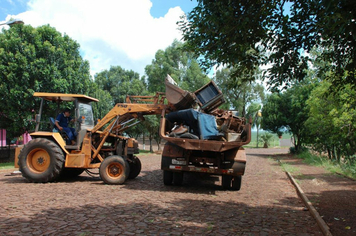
(287,111)
(120,82)
(239,89)
(180,65)
(36,59)
(278,33)
(332,120)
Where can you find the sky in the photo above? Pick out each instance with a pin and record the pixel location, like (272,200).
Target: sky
(124,33)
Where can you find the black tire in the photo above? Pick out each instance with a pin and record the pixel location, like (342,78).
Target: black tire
(226,181)
(236,183)
(41,161)
(177,178)
(70,173)
(135,167)
(114,170)
(167,177)
(127,169)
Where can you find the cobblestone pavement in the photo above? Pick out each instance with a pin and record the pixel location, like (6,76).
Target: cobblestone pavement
(267,204)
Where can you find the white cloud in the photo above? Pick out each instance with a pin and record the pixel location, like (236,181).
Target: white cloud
(110,32)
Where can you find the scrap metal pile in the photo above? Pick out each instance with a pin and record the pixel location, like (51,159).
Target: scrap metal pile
(196,115)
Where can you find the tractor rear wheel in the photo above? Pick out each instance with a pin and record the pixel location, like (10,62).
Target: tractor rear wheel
(41,161)
(135,167)
(114,170)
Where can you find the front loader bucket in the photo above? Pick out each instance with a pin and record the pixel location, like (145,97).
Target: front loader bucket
(178,97)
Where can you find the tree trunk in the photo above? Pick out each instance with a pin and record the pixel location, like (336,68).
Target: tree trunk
(296,142)
(151,148)
(257,137)
(158,140)
(338,154)
(244,105)
(158,145)
(329,153)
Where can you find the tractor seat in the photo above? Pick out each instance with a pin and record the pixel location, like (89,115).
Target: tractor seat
(52,122)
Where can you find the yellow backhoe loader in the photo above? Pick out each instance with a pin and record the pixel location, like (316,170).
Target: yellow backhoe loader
(47,156)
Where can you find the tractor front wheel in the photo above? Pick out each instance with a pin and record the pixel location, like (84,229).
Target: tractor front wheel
(41,161)
(114,170)
(135,167)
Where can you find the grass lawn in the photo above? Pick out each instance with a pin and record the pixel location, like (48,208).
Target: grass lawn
(332,166)
(7,165)
(274,141)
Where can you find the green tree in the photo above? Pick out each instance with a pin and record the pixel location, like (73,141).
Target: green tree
(239,92)
(254,111)
(120,82)
(36,59)
(180,65)
(238,33)
(105,104)
(151,124)
(332,120)
(266,139)
(288,111)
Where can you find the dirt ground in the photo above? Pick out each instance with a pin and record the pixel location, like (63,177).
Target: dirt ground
(267,204)
(333,195)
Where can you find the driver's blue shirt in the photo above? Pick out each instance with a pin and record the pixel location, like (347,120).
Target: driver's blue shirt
(62,120)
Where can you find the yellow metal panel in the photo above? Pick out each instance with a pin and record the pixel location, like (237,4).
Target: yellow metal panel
(75,160)
(130,142)
(56,136)
(86,150)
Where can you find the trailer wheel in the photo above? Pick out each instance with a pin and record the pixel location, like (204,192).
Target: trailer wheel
(41,161)
(178,178)
(231,182)
(167,177)
(135,167)
(226,181)
(114,170)
(236,183)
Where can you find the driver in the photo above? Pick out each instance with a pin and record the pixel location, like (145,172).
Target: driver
(62,122)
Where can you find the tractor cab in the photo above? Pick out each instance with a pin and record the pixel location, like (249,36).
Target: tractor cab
(52,105)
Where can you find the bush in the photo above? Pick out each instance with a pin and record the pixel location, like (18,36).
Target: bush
(265,139)
(346,166)
(292,150)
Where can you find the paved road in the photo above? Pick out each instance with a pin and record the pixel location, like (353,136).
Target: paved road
(267,204)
